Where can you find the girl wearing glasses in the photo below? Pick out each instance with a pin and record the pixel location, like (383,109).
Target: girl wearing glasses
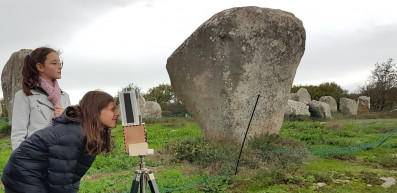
(41,98)
(55,158)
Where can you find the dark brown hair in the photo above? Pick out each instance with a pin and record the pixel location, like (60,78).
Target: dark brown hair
(30,74)
(88,113)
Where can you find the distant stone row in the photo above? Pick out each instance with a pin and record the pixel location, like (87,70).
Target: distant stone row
(301,104)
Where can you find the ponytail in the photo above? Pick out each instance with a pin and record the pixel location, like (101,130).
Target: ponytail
(74,113)
(30,75)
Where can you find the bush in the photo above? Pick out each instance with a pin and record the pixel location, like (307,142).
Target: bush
(5,127)
(386,161)
(166,113)
(276,150)
(175,108)
(345,156)
(202,152)
(370,178)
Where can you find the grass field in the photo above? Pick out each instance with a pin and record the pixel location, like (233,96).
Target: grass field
(342,155)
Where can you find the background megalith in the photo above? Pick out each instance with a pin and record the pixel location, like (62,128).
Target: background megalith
(363,104)
(11,78)
(331,102)
(348,106)
(302,95)
(237,54)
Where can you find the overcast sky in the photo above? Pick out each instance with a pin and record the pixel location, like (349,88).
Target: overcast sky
(109,44)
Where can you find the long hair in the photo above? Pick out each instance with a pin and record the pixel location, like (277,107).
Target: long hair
(30,74)
(88,113)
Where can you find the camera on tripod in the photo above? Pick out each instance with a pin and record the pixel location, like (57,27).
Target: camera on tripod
(135,136)
(135,140)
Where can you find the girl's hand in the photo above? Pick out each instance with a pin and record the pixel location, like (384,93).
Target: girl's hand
(58,110)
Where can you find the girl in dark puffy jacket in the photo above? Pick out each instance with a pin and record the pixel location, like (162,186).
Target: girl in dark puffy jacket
(54,159)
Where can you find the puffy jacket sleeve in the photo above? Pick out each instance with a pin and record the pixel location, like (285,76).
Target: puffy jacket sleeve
(83,164)
(20,119)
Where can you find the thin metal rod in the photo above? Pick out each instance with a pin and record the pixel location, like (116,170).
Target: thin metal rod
(245,136)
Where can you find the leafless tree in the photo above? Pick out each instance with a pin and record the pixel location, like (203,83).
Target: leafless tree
(381,86)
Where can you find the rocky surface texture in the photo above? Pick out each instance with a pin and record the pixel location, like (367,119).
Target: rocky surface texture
(235,55)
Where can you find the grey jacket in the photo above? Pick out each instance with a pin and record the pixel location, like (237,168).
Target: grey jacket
(32,113)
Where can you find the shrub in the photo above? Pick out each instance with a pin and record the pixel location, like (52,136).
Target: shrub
(166,113)
(370,178)
(277,150)
(200,151)
(268,178)
(5,128)
(387,161)
(345,156)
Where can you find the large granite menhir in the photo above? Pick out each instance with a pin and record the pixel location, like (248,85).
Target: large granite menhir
(231,58)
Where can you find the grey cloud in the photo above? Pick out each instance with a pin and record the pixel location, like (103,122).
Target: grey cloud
(339,54)
(27,23)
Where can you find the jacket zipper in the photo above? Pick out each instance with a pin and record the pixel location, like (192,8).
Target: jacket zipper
(38,108)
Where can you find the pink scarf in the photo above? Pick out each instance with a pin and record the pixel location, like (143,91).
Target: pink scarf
(52,89)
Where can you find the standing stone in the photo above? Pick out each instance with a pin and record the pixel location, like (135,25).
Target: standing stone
(152,110)
(348,106)
(319,109)
(149,109)
(237,54)
(331,102)
(295,108)
(301,96)
(363,104)
(141,101)
(11,78)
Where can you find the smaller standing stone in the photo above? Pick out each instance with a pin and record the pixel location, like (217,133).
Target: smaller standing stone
(295,108)
(301,96)
(348,106)
(331,102)
(363,104)
(11,78)
(152,110)
(319,109)
(149,109)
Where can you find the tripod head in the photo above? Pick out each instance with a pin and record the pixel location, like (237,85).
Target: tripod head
(142,164)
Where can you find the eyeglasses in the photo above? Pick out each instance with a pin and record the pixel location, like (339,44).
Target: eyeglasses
(60,63)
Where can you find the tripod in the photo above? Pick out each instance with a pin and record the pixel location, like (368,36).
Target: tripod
(143,176)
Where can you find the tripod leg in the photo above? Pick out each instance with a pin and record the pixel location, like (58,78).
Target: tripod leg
(152,183)
(135,183)
(143,183)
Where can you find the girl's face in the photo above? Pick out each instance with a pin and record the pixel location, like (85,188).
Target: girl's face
(52,67)
(109,115)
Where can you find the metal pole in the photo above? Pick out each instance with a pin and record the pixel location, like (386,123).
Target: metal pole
(245,136)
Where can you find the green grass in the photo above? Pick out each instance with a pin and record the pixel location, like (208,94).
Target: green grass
(346,154)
